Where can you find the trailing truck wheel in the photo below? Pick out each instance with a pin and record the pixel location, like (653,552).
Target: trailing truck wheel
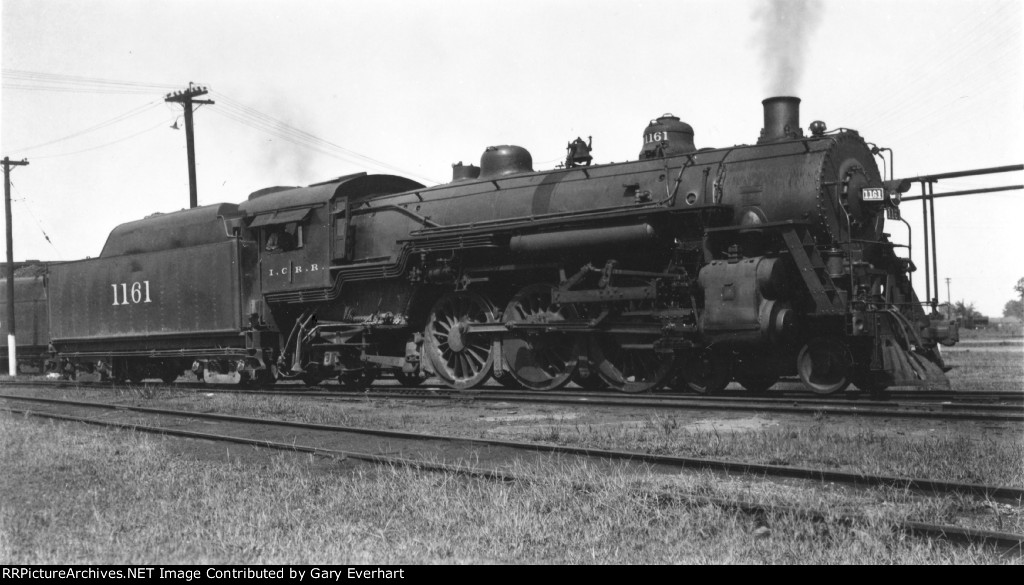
(311,380)
(356,380)
(538,360)
(825,365)
(407,379)
(461,358)
(312,376)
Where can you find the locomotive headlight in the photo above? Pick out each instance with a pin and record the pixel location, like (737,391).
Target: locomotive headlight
(894,191)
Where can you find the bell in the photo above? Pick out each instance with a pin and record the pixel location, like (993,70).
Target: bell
(174,126)
(578,152)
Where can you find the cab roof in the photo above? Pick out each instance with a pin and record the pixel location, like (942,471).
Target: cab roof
(358,185)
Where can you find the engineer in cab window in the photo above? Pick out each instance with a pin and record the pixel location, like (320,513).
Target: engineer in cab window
(280,239)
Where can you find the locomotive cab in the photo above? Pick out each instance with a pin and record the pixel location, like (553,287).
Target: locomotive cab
(304,231)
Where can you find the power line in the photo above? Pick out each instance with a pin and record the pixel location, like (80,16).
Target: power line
(24,201)
(58,82)
(233,109)
(130,136)
(114,120)
(23,87)
(263,122)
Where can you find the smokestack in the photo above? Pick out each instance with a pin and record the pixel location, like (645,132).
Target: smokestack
(781,119)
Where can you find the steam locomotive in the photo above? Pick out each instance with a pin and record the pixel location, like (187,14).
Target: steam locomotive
(687,267)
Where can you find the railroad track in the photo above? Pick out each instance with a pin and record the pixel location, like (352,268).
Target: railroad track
(783,391)
(926,487)
(907,408)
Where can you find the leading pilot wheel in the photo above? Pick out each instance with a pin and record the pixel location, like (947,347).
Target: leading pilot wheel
(461,358)
(874,383)
(825,365)
(535,359)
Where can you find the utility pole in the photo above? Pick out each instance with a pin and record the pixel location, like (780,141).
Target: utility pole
(12,352)
(949,306)
(185,98)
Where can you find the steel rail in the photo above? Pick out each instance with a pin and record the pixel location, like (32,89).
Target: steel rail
(1006,413)
(1006,541)
(921,485)
(814,406)
(778,394)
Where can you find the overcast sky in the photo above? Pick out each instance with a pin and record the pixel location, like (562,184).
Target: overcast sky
(309,90)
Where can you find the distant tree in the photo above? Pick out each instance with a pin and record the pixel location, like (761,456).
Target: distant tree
(965,311)
(1014,308)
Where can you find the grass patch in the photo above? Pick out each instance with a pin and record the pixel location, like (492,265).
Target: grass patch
(952,457)
(992,365)
(966,451)
(75,494)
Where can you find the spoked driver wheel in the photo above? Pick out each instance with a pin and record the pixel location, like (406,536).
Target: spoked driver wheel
(461,358)
(707,371)
(825,365)
(630,370)
(535,359)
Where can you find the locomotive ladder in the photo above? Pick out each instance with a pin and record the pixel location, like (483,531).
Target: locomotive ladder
(827,298)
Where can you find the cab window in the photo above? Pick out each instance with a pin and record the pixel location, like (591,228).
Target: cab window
(284,238)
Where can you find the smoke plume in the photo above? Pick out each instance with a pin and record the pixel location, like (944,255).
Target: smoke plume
(784,32)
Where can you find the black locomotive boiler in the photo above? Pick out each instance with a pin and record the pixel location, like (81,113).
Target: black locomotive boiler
(687,267)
